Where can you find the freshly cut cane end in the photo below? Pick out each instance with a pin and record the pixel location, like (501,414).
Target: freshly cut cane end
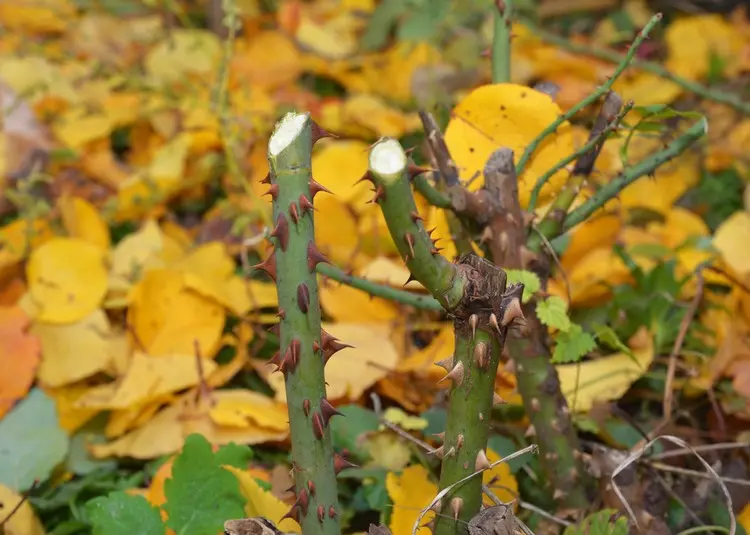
(387,159)
(287,130)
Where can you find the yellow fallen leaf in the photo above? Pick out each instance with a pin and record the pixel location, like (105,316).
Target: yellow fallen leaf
(731,238)
(71,417)
(744,518)
(344,303)
(23,521)
(423,360)
(372,112)
(592,277)
(386,450)
(67,279)
(646,89)
(262,502)
(169,318)
(606,378)
(253,65)
(231,292)
(336,245)
(37,16)
(138,251)
(121,421)
(592,234)
(338,165)
(518,115)
(500,479)
(403,420)
(410,492)
(83,220)
(383,270)
(390,73)
(184,55)
(74,351)
(147,378)
(692,41)
(242,408)
(77,127)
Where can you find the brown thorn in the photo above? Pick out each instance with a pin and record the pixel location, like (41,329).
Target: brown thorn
(481,462)
(315,346)
(306,407)
(341,463)
(275,329)
(459,441)
(457,504)
(447,363)
(303,297)
(332,512)
(316,187)
(409,239)
(321,513)
(314,257)
(481,356)
(303,501)
(379,194)
(281,314)
(293,213)
(497,399)
(456,374)
(328,411)
(512,311)
(305,204)
(293,513)
(416,217)
(318,132)
(437,452)
(268,265)
(494,324)
(276,360)
(415,170)
(411,278)
(473,321)
(317,424)
(273,191)
(266,179)
(367,177)
(311,487)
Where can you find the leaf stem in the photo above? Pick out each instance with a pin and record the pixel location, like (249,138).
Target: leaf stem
(593,97)
(501,42)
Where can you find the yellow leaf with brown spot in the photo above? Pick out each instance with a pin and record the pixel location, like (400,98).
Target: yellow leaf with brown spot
(21,521)
(67,279)
(344,303)
(500,480)
(185,55)
(411,492)
(730,239)
(606,378)
(74,351)
(83,220)
(508,115)
(262,502)
(145,379)
(245,408)
(169,318)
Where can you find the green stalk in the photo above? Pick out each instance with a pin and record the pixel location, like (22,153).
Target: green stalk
(474,292)
(304,349)
(501,37)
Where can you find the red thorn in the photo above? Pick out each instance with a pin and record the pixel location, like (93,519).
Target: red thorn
(340,463)
(429,232)
(367,177)
(281,231)
(415,170)
(409,239)
(275,329)
(316,187)
(281,314)
(328,411)
(318,133)
(332,348)
(303,500)
(287,363)
(316,346)
(311,487)
(295,348)
(435,250)
(325,338)
(303,297)
(293,213)
(266,179)
(411,278)
(379,195)
(306,407)
(317,425)
(276,360)
(321,513)
(416,217)
(314,257)
(293,513)
(305,205)
(268,265)
(332,512)
(273,191)
(291,489)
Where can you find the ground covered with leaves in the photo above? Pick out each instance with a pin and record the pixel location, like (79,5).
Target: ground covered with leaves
(133,334)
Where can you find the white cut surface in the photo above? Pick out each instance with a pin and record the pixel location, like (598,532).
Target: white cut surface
(286,131)
(387,157)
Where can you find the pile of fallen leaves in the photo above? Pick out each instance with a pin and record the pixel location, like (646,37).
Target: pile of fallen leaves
(133,145)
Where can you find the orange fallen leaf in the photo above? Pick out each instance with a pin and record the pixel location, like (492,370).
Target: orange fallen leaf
(19,357)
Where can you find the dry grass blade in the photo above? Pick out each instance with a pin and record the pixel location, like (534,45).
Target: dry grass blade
(633,457)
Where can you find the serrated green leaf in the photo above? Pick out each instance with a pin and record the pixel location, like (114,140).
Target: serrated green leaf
(124,514)
(600,523)
(529,279)
(553,312)
(571,346)
(201,495)
(234,455)
(607,336)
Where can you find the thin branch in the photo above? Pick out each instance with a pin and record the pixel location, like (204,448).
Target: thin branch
(679,341)
(501,39)
(602,90)
(424,302)
(429,192)
(715,95)
(700,449)
(627,177)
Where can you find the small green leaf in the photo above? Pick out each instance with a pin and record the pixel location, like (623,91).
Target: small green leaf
(201,495)
(124,514)
(604,522)
(529,279)
(553,312)
(607,336)
(571,346)
(234,455)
